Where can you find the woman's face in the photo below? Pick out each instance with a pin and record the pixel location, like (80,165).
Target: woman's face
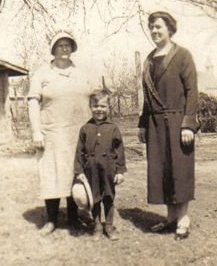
(159,32)
(63,49)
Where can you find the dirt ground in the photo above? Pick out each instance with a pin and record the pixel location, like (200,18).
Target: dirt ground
(22,214)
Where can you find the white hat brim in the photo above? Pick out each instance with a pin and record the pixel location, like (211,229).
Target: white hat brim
(82,195)
(61,35)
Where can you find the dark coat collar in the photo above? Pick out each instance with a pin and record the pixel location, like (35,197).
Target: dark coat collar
(165,63)
(106,121)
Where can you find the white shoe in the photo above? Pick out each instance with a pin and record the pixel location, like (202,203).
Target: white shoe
(47,229)
(182,233)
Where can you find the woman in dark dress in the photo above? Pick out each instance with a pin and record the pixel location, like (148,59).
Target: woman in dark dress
(168,124)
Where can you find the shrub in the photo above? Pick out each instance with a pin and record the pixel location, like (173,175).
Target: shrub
(207,112)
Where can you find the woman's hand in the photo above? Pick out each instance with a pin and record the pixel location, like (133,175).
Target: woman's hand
(141,135)
(187,136)
(34,116)
(119,178)
(38,140)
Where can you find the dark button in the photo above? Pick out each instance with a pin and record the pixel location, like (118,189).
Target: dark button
(104,154)
(92,154)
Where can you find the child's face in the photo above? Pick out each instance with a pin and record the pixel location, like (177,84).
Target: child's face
(100,109)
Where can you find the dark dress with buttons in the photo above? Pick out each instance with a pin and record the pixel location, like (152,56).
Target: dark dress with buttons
(100,156)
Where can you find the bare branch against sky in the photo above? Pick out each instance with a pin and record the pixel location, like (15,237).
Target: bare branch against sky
(102,25)
(2,3)
(209,7)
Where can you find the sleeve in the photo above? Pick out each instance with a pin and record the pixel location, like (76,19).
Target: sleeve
(79,154)
(189,80)
(35,91)
(144,116)
(119,150)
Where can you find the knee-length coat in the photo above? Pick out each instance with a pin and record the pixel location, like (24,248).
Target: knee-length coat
(170,105)
(100,156)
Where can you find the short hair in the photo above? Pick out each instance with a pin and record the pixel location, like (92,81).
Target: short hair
(167,18)
(97,95)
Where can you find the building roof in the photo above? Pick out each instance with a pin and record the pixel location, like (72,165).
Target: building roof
(11,69)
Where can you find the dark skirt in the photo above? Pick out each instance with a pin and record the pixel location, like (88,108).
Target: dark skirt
(176,185)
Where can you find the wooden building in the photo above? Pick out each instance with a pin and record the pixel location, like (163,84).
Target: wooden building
(7,70)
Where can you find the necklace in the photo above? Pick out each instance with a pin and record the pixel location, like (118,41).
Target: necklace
(67,75)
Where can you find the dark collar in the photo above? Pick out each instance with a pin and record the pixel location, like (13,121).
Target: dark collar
(93,121)
(165,63)
(53,66)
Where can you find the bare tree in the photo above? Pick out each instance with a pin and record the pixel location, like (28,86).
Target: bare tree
(2,3)
(123,86)
(209,7)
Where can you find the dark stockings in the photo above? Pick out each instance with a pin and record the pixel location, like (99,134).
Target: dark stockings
(109,210)
(52,206)
(71,209)
(96,212)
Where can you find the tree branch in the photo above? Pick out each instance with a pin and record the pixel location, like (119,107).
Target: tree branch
(141,12)
(209,7)
(2,4)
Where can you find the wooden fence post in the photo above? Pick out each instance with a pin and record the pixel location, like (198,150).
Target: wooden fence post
(139,91)
(5,126)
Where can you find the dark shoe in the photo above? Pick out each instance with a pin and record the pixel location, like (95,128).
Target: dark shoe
(85,216)
(75,227)
(163,227)
(182,233)
(111,232)
(47,229)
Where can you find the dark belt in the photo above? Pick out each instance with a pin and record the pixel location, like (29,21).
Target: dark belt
(166,111)
(92,154)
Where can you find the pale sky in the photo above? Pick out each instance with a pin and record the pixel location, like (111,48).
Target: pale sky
(195,32)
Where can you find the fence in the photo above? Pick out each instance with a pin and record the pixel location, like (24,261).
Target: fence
(20,123)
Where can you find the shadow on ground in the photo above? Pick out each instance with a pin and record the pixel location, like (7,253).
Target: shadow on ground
(37,216)
(141,219)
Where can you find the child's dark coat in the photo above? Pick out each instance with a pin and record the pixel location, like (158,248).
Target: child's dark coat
(100,156)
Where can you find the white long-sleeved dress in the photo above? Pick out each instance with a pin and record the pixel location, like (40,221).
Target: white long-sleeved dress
(63,95)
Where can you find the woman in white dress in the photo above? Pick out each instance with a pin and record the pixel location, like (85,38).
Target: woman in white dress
(58,106)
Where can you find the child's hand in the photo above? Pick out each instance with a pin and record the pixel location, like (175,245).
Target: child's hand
(119,178)
(81,177)
(141,135)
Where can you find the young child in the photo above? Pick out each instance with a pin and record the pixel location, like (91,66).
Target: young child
(100,157)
